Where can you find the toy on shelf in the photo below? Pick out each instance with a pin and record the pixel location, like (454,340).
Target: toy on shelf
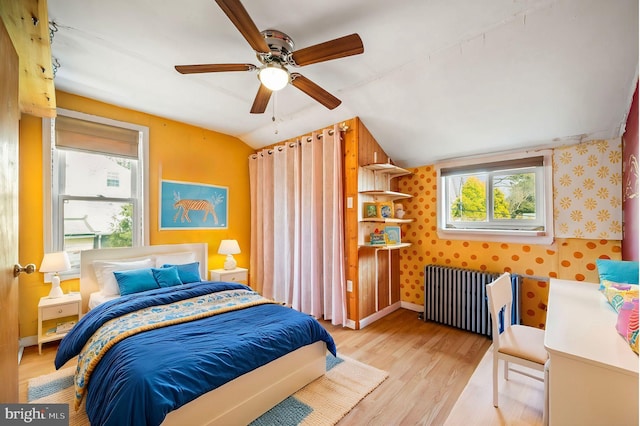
(377,237)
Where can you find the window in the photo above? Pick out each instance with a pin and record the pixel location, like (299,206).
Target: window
(95,188)
(113,179)
(501,199)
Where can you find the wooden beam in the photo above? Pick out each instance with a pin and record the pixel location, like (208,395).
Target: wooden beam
(27,22)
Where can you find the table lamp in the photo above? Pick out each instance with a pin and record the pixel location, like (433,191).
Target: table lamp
(55,262)
(229,247)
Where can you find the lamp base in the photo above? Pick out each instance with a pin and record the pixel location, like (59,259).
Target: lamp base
(230,263)
(56,291)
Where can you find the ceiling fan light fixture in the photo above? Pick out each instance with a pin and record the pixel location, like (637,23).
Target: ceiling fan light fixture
(274,76)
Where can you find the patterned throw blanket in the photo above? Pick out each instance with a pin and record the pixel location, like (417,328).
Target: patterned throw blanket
(154,317)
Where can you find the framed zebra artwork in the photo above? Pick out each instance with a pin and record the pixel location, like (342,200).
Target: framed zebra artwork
(188,205)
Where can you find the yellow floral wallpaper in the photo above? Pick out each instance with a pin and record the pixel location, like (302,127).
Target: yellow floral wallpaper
(587,185)
(566,258)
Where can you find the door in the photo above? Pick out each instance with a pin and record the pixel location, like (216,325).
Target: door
(9,120)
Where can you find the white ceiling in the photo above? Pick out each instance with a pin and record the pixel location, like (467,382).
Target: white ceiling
(438,79)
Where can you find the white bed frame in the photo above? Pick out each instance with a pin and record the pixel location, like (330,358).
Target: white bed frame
(243,399)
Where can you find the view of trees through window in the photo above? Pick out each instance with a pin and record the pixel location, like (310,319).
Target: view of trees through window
(97,213)
(121,228)
(513,197)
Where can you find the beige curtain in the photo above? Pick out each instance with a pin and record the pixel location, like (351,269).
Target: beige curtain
(297,226)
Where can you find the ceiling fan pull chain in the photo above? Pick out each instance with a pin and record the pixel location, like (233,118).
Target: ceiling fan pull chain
(273,113)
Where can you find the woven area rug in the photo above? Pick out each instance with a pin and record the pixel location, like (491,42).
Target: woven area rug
(520,398)
(323,402)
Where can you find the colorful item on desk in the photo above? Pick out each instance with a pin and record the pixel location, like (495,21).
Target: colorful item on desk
(618,293)
(632,329)
(622,325)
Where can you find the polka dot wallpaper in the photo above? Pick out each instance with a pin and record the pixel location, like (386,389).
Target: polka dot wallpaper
(567,258)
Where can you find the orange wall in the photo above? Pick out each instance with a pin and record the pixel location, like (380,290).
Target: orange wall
(572,259)
(177,151)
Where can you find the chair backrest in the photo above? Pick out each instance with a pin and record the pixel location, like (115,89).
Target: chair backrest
(500,296)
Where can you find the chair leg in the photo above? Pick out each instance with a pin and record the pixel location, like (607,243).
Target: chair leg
(545,412)
(495,380)
(506,370)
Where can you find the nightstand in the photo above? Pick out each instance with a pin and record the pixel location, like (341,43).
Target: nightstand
(238,275)
(54,311)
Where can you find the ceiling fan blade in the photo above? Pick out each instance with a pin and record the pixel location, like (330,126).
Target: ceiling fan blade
(243,22)
(194,69)
(261,100)
(332,49)
(315,91)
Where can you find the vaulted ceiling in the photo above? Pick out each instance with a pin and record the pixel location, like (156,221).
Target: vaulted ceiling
(438,79)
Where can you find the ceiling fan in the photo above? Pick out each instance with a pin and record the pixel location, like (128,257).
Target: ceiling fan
(275,50)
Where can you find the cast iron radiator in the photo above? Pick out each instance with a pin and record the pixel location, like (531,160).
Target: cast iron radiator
(458,297)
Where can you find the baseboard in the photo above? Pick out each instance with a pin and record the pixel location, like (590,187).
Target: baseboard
(412,306)
(381,313)
(350,324)
(28,341)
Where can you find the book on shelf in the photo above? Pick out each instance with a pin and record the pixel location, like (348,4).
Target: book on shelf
(377,238)
(64,327)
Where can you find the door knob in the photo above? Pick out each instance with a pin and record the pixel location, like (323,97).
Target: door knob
(30,268)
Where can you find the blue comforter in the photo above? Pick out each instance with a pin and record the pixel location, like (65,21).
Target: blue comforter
(147,375)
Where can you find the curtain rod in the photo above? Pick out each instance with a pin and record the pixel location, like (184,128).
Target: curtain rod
(343,127)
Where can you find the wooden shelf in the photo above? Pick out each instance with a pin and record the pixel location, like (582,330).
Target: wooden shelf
(389,195)
(387,220)
(385,246)
(391,169)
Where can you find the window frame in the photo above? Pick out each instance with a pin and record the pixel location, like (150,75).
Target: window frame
(52,209)
(504,231)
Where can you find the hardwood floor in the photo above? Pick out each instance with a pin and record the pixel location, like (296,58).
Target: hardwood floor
(429,365)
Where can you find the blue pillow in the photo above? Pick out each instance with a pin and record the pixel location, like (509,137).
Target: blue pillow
(166,277)
(135,280)
(188,273)
(618,271)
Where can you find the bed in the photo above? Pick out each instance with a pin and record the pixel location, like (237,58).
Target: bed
(241,394)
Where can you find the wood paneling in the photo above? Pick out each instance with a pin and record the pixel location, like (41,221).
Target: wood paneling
(9,119)
(27,22)
(350,182)
(369,151)
(368,276)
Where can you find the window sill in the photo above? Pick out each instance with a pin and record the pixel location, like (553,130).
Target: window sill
(495,235)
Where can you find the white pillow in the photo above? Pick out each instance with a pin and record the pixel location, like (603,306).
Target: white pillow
(104,273)
(175,259)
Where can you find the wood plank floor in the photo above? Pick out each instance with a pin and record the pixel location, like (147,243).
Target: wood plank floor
(429,365)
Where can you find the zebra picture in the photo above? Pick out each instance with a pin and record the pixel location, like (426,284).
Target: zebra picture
(185,205)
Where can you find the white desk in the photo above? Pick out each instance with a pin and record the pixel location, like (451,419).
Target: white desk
(592,369)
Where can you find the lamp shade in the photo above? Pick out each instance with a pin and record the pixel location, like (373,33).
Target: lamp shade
(55,262)
(229,247)
(274,76)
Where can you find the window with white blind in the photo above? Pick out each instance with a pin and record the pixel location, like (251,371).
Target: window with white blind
(505,198)
(95,182)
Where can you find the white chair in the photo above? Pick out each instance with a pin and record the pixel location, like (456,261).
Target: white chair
(518,344)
